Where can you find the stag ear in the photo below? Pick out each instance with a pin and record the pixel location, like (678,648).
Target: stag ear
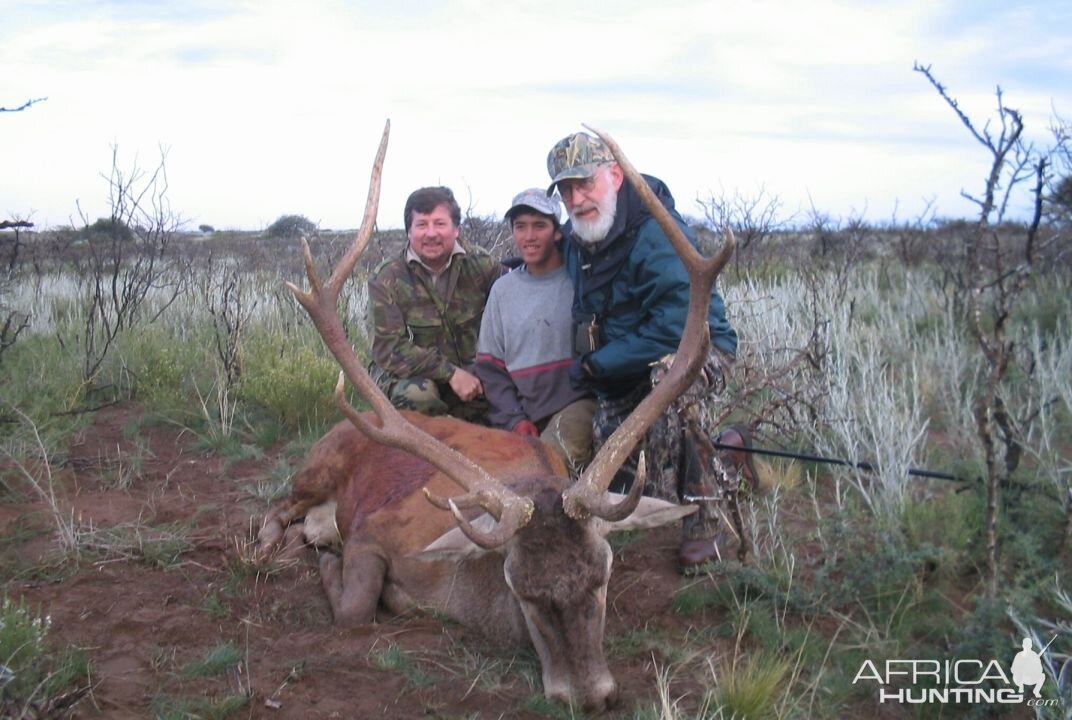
(650,513)
(454,545)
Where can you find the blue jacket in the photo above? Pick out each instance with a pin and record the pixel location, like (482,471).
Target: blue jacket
(638,290)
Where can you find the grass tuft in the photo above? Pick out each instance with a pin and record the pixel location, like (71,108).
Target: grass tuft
(159,546)
(751,690)
(170,707)
(216,662)
(246,560)
(395,659)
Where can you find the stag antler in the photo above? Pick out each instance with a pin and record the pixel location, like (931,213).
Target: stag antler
(321,302)
(588,495)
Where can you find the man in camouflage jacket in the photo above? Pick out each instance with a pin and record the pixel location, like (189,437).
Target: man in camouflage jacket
(426,308)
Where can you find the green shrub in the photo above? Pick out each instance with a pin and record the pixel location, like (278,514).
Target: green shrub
(36,672)
(1031,540)
(1044,307)
(22,645)
(290,381)
(162,364)
(983,634)
(874,570)
(744,584)
(108,228)
(47,377)
(290,226)
(943,529)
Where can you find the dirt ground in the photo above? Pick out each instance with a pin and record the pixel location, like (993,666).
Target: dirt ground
(143,626)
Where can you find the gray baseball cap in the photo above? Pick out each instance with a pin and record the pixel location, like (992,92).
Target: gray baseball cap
(536,199)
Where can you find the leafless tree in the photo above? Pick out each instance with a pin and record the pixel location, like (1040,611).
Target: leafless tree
(753,219)
(486,231)
(12,326)
(911,238)
(12,322)
(15,224)
(126,261)
(995,269)
(777,396)
(839,246)
(1059,205)
(230,303)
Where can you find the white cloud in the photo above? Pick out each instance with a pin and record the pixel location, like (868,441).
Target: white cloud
(272,108)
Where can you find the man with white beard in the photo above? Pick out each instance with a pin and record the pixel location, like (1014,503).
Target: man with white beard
(631,296)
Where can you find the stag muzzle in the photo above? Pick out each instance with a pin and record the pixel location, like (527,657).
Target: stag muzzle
(595,693)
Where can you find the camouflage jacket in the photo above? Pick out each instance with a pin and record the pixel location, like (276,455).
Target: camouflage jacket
(418,333)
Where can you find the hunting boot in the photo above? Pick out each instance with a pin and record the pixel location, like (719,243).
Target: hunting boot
(738,436)
(703,536)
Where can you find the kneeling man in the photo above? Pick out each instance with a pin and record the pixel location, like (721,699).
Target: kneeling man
(525,346)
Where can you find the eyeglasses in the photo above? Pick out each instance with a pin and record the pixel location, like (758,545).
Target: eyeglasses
(585,185)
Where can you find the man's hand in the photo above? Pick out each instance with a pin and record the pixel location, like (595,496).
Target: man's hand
(465,385)
(526,427)
(580,375)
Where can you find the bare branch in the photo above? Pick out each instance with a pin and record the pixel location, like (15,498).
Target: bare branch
(994,272)
(127,259)
(28,103)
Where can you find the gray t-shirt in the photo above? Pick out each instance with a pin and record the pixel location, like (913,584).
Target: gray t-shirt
(525,347)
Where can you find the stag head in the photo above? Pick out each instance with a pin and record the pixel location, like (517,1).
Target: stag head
(550,534)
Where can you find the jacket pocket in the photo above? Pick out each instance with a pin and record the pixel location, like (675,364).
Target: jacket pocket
(426,332)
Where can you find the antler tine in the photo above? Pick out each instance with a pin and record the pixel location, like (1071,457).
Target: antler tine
(345,267)
(490,540)
(612,512)
(321,303)
(587,495)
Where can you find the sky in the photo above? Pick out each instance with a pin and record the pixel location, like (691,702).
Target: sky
(267,108)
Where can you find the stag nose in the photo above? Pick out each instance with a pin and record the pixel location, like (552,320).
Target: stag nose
(595,696)
(602,696)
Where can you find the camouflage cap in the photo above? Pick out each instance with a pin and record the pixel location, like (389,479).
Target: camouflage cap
(576,156)
(536,199)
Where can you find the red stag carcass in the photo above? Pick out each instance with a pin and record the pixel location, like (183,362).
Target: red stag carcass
(522,553)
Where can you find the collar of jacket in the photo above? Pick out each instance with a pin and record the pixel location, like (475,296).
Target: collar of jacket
(601,263)
(628,216)
(412,257)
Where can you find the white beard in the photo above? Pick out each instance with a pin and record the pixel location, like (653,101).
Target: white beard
(595,231)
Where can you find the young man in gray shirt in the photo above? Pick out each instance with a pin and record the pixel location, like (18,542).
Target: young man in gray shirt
(525,346)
